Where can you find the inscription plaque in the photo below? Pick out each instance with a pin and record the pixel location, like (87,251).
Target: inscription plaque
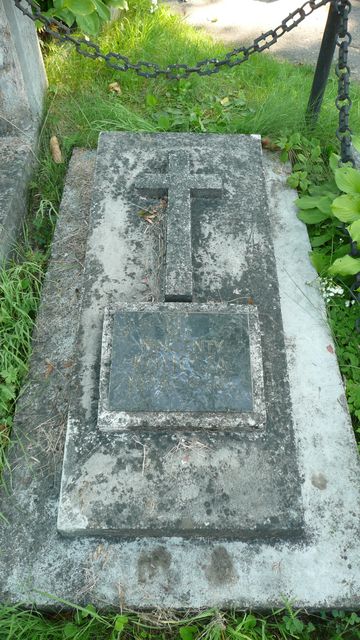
(173,361)
(181,365)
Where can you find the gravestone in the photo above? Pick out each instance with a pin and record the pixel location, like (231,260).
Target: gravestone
(212,371)
(209,457)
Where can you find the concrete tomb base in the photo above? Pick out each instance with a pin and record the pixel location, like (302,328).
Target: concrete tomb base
(209,456)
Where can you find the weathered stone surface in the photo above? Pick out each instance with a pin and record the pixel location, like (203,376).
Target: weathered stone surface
(232,261)
(180,358)
(22,87)
(179,184)
(17,163)
(209,383)
(22,73)
(321,570)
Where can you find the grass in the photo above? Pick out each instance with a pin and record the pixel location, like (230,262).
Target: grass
(263,96)
(242,99)
(88,624)
(20,286)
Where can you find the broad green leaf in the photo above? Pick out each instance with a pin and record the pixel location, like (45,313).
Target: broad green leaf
(346,266)
(164,121)
(325,189)
(347,208)
(102,9)
(312,216)
(80,7)
(354,231)
(322,202)
(120,622)
(89,24)
(119,4)
(342,250)
(151,100)
(318,241)
(308,202)
(68,17)
(70,630)
(187,632)
(334,162)
(348,179)
(59,4)
(325,205)
(356,143)
(320,261)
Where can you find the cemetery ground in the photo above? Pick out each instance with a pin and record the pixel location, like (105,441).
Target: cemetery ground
(85,98)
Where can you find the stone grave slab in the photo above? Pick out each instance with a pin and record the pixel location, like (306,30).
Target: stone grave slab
(316,564)
(247,485)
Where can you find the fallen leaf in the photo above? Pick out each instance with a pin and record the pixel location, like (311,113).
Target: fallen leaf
(250,301)
(225,101)
(49,369)
(330,348)
(115,88)
(267,143)
(55,150)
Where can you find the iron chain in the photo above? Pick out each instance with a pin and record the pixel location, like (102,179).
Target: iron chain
(343,100)
(207,67)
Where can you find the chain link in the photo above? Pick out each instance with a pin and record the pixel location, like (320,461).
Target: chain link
(207,67)
(343,104)
(343,100)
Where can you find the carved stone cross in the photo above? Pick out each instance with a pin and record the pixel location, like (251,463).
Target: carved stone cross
(180,185)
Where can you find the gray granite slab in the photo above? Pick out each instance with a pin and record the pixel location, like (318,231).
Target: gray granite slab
(121,468)
(321,569)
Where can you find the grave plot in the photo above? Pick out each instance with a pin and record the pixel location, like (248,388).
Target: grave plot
(209,458)
(212,371)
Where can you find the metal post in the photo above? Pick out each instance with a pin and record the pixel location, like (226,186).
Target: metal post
(323,65)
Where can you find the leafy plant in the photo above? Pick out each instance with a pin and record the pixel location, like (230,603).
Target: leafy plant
(334,202)
(308,166)
(88,15)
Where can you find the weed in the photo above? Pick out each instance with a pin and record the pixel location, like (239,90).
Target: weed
(85,623)
(20,285)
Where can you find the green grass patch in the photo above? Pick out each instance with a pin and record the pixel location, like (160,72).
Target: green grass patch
(20,286)
(260,96)
(87,624)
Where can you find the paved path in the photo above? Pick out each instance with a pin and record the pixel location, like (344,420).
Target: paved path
(240,21)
